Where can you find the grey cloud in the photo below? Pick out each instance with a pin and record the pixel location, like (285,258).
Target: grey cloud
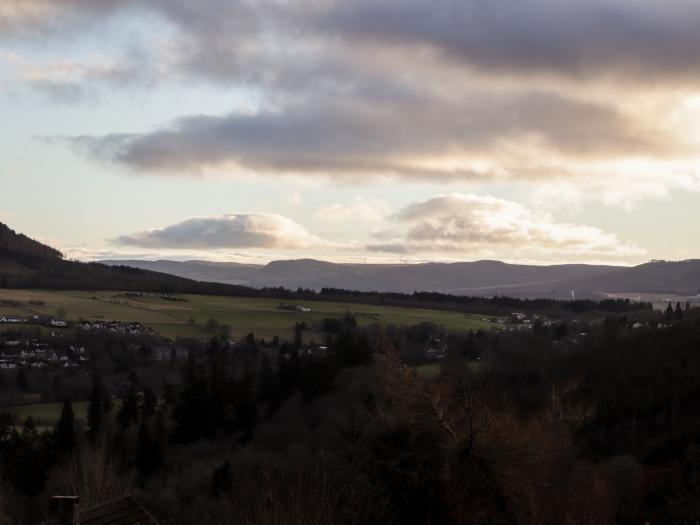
(253,230)
(357,137)
(347,88)
(262,41)
(637,37)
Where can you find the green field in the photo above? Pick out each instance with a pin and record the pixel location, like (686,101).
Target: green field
(258,315)
(45,415)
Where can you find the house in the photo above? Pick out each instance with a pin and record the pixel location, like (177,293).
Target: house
(294,308)
(123,511)
(58,323)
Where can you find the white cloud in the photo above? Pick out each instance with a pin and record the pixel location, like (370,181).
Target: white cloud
(241,230)
(474,225)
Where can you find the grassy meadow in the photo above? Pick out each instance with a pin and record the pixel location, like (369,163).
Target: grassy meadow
(45,415)
(189,316)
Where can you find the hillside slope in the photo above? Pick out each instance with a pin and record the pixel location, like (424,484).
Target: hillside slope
(480,278)
(483,278)
(25,263)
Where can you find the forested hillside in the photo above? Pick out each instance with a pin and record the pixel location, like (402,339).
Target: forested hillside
(20,248)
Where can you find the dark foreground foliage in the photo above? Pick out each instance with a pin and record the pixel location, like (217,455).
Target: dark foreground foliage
(573,422)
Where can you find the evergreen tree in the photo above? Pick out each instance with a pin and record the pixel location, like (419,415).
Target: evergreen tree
(246,407)
(668,314)
(64,433)
(298,335)
(561,331)
(212,325)
(251,345)
(149,403)
(22,381)
(96,409)
(317,376)
(129,411)
(29,429)
(149,454)
(190,413)
(679,311)
(266,382)
(222,482)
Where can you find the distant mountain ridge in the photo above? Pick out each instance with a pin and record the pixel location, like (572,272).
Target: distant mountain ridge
(25,262)
(480,278)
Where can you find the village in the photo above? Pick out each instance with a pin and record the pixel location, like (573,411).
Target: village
(23,343)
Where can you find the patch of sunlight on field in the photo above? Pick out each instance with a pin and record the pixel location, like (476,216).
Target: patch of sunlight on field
(46,414)
(430,371)
(261,316)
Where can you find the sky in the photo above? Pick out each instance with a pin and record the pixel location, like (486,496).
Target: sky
(532,131)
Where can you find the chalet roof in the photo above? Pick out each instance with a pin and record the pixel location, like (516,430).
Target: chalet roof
(122,511)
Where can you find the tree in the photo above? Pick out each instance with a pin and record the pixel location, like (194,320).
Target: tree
(251,344)
(129,411)
(266,381)
(668,314)
(191,410)
(679,311)
(96,408)
(149,403)
(298,335)
(224,331)
(149,455)
(64,433)
(246,407)
(212,325)
(561,331)
(22,381)
(222,482)
(29,429)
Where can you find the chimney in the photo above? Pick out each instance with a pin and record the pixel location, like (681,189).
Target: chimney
(66,509)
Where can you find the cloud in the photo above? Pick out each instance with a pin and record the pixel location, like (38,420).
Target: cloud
(638,38)
(411,138)
(69,81)
(252,230)
(470,224)
(579,93)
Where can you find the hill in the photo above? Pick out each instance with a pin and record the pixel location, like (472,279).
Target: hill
(480,278)
(26,263)
(17,249)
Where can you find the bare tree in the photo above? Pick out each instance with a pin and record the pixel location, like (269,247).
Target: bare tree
(94,474)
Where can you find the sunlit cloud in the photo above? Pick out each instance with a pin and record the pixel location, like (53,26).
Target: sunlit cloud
(552,103)
(471,224)
(252,230)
